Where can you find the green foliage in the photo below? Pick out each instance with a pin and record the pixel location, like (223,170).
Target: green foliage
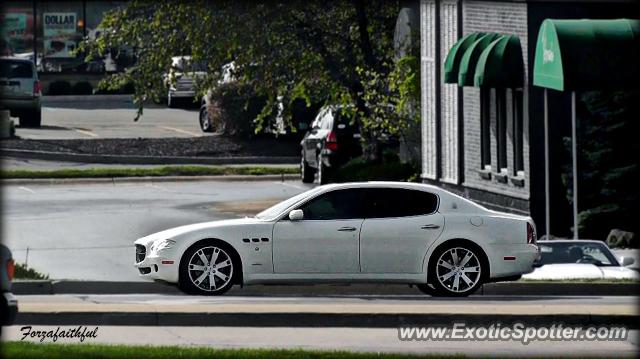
(361,169)
(607,162)
(21,271)
(57,88)
(26,350)
(82,88)
(234,107)
(319,51)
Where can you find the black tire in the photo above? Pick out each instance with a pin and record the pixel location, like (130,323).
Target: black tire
(322,172)
(31,119)
(191,259)
(441,281)
(205,122)
(306,172)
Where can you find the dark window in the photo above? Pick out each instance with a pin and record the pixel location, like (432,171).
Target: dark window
(338,204)
(15,69)
(518,132)
(485,128)
(501,131)
(397,202)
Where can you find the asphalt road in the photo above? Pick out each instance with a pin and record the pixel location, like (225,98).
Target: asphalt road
(86,232)
(111,118)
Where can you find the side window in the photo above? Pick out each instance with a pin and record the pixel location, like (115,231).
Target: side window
(398,202)
(338,204)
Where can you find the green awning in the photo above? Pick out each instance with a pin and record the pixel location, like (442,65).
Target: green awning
(470,59)
(588,54)
(452,62)
(501,64)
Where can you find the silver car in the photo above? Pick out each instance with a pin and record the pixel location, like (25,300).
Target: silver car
(9,304)
(20,90)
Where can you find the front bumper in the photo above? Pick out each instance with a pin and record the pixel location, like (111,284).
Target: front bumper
(157,266)
(9,309)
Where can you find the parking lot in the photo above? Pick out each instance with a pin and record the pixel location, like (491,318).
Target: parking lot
(111,116)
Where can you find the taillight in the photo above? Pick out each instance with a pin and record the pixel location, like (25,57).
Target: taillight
(531,234)
(37,88)
(332,141)
(10,268)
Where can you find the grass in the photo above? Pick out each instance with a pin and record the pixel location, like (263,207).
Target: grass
(148,172)
(359,169)
(21,271)
(26,350)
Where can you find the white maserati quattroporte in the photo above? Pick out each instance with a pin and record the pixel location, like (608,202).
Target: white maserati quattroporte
(384,232)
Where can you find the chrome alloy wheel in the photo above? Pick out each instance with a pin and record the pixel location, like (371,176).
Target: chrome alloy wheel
(210,268)
(458,269)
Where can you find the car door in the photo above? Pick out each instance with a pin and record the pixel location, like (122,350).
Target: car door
(400,226)
(326,240)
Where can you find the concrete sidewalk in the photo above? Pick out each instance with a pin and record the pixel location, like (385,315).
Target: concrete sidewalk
(363,311)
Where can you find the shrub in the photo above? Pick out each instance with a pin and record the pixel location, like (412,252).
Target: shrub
(24,272)
(58,88)
(82,88)
(233,107)
(359,169)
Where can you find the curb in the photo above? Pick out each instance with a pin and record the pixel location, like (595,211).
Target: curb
(47,99)
(326,320)
(221,178)
(146,160)
(48,287)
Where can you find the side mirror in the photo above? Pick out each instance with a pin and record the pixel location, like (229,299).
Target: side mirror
(626,261)
(296,215)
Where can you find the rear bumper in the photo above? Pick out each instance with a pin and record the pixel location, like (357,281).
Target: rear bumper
(512,260)
(9,309)
(182,93)
(20,104)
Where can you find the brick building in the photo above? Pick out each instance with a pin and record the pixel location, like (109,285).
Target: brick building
(487,142)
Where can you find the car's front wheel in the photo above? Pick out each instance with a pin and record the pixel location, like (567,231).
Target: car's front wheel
(207,268)
(205,120)
(456,270)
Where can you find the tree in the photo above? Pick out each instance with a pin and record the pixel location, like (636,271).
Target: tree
(340,52)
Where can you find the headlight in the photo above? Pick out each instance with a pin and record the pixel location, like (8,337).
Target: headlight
(161,245)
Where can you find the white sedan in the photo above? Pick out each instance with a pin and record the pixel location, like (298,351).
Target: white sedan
(580,259)
(383,232)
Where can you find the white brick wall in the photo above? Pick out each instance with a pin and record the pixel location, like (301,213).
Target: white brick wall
(428,86)
(449,94)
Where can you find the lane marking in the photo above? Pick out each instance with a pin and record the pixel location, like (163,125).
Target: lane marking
(181,131)
(27,189)
(84,132)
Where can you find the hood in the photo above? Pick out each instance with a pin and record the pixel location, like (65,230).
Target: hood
(177,231)
(579,271)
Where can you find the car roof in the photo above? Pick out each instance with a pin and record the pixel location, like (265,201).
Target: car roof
(18,59)
(570,241)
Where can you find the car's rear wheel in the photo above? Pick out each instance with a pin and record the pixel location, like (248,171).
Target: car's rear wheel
(456,270)
(306,172)
(31,118)
(205,121)
(207,268)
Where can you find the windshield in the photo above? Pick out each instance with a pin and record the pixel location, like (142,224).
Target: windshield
(278,209)
(567,252)
(15,69)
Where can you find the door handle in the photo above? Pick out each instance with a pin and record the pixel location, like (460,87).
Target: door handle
(346,229)
(430,226)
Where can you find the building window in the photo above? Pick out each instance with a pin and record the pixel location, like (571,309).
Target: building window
(16,29)
(501,129)
(518,133)
(485,129)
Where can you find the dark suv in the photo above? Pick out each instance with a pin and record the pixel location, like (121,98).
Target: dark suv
(330,142)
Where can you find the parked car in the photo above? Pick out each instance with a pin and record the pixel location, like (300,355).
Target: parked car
(331,142)
(180,79)
(387,232)
(580,259)
(9,302)
(20,90)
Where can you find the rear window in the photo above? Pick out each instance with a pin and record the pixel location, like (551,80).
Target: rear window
(15,69)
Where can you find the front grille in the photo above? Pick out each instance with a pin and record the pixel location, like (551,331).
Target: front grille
(141,252)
